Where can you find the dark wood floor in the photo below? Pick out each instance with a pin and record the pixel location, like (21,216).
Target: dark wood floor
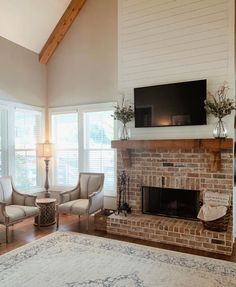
(25,232)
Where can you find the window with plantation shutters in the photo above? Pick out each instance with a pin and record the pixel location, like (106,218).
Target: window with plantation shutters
(3,142)
(65,139)
(98,155)
(1,146)
(27,135)
(82,139)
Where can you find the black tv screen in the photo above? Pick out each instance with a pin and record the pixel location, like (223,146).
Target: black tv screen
(177,104)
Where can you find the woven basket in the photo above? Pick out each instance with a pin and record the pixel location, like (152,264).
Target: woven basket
(219,224)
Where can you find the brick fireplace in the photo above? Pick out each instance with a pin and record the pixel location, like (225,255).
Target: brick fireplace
(179,164)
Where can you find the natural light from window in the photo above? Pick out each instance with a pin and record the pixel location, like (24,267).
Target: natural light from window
(27,134)
(98,155)
(82,139)
(65,138)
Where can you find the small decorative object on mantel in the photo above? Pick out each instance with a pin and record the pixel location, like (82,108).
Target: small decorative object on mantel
(124,114)
(220,106)
(123,194)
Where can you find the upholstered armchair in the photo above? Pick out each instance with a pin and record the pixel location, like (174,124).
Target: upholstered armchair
(86,198)
(15,206)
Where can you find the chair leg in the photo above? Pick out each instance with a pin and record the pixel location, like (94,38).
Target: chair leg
(7,229)
(57,221)
(39,220)
(57,217)
(87,225)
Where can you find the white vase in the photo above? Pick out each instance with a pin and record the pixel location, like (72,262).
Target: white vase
(220,130)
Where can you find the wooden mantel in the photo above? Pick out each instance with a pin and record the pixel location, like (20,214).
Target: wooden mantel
(215,146)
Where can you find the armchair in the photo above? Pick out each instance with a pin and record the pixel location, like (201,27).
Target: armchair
(15,206)
(86,198)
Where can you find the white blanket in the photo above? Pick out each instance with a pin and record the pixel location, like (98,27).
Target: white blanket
(209,213)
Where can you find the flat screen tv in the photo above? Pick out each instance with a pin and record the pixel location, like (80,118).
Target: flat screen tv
(177,104)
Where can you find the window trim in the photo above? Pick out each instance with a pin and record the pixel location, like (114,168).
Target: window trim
(9,137)
(81,109)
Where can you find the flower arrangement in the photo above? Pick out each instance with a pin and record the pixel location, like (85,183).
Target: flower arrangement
(123,113)
(219,105)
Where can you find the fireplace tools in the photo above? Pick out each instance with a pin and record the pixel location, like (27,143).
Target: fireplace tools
(123,194)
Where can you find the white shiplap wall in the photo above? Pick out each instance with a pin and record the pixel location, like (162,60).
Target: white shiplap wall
(166,41)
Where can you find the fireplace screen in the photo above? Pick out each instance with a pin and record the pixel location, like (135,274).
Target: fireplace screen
(170,202)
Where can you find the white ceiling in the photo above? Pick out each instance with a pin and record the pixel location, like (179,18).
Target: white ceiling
(29,23)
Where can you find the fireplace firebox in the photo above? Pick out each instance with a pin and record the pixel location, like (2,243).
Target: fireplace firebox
(180,203)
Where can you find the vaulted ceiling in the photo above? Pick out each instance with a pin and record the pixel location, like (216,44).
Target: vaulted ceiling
(29,23)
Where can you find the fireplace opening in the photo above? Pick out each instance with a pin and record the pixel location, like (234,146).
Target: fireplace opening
(171,202)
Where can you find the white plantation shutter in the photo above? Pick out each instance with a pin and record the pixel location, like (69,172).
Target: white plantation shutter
(3,142)
(83,143)
(1,146)
(65,139)
(98,155)
(27,134)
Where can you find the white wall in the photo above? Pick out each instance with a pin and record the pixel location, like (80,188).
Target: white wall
(83,69)
(164,41)
(22,77)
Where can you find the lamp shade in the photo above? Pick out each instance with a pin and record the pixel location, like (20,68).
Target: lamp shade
(45,150)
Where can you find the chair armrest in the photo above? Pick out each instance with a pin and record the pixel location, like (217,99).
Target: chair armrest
(3,214)
(93,194)
(65,192)
(3,203)
(96,201)
(24,199)
(30,200)
(64,197)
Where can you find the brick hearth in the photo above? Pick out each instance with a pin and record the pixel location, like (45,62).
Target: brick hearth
(181,168)
(173,231)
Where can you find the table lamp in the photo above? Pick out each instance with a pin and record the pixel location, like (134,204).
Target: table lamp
(45,150)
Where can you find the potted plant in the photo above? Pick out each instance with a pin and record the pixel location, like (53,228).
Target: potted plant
(124,114)
(220,106)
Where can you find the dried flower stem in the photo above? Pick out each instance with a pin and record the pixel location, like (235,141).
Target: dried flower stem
(123,113)
(219,105)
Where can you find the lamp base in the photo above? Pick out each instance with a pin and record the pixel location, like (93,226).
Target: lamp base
(46,185)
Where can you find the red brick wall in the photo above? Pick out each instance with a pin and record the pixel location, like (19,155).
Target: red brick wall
(187,169)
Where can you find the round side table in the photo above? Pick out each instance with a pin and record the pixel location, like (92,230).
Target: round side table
(48,211)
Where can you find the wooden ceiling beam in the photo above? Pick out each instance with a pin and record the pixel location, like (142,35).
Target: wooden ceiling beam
(60,30)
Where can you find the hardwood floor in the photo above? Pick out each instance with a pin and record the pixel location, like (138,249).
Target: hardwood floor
(25,232)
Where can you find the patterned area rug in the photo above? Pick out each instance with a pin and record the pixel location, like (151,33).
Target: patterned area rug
(78,260)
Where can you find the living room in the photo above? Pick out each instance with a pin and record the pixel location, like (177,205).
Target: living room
(112,48)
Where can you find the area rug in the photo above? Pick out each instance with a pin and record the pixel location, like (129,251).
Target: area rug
(77,260)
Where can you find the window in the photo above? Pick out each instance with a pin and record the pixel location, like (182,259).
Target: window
(98,155)
(65,138)
(83,143)
(3,142)
(20,130)
(27,135)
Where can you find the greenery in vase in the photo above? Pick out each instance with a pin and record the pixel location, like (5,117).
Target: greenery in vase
(123,113)
(219,105)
